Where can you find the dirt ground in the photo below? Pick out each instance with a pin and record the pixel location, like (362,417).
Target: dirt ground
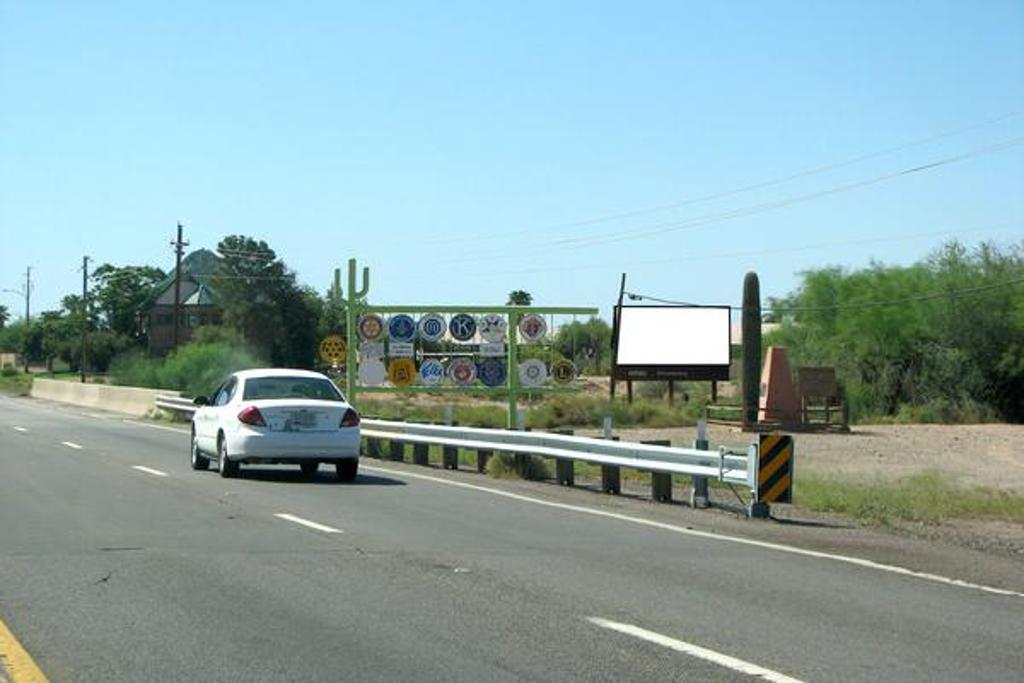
(989,455)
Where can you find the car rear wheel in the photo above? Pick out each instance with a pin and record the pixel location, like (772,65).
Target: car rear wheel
(308,468)
(199,461)
(347,469)
(227,467)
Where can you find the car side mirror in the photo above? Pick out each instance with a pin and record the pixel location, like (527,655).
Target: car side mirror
(201,401)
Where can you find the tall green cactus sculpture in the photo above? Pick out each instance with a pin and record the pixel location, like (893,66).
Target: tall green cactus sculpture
(751,348)
(355,295)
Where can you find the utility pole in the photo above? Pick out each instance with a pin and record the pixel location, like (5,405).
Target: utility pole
(28,292)
(615,336)
(85,319)
(179,248)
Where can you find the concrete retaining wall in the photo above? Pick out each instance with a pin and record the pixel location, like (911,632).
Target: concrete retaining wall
(130,400)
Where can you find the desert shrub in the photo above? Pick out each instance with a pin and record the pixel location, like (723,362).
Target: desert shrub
(503,466)
(195,368)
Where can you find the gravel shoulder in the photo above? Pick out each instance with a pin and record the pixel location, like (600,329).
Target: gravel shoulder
(990,455)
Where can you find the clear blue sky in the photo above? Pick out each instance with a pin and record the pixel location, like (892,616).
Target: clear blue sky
(460,148)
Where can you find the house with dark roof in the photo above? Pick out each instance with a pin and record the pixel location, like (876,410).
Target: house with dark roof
(197,303)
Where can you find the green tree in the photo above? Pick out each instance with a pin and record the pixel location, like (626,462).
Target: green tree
(944,333)
(332,314)
(120,294)
(260,297)
(519,297)
(5,315)
(248,285)
(587,344)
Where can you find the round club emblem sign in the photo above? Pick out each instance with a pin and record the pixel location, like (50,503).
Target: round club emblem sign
(563,371)
(532,373)
(532,328)
(432,328)
(462,371)
(372,372)
(462,327)
(401,328)
(492,372)
(493,327)
(370,326)
(431,372)
(332,350)
(402,372)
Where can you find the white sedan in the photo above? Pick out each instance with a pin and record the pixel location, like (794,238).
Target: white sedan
(276,416)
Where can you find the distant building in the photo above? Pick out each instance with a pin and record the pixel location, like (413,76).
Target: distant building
(197,304)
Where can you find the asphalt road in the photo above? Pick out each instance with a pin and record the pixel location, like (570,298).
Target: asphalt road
(113,573)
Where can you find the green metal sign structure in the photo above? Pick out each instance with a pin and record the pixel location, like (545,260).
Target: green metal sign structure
(357,307)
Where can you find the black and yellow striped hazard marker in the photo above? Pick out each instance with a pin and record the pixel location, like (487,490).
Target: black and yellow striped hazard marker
(775,468)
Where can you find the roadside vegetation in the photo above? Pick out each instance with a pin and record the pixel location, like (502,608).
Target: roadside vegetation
(929,497)
(14,382)
(938,341)
(194,369)
(563,411)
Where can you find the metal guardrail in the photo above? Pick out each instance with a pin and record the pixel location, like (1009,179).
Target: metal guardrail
(178,403)
(734,467)
(724,464)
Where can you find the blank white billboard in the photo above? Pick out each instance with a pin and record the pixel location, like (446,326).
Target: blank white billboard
(673,336)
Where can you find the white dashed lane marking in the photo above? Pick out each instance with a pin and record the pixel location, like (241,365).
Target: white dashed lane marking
(71,444)
(692,650)
(307,523)
(149,470)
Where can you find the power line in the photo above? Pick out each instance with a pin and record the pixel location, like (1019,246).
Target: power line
(814,170)
(750,253)
(709,219)
(247,254)
(857,304)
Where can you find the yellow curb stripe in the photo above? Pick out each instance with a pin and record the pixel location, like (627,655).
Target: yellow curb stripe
(780,487)
(20,666)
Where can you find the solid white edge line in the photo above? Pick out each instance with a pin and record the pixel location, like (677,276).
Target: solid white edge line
(178,430)
(697,651)
(308,523)
(869,564)
(71,444)
(149,470)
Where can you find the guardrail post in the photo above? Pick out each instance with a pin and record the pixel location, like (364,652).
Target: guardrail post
(450,457)
(699,492)
(565,472)
(661,482)
(611,475)
(521,459)
(565,469)
(482,456)
(373,447)
(421,454)
(397,450)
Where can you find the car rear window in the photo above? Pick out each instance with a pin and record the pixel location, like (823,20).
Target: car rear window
(257,388)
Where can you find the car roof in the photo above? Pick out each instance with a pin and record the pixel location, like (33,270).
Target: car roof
(278,372)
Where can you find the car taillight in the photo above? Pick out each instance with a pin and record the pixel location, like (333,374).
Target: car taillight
(349,419)
(252,416)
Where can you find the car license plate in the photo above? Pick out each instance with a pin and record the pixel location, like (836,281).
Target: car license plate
(304,418)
